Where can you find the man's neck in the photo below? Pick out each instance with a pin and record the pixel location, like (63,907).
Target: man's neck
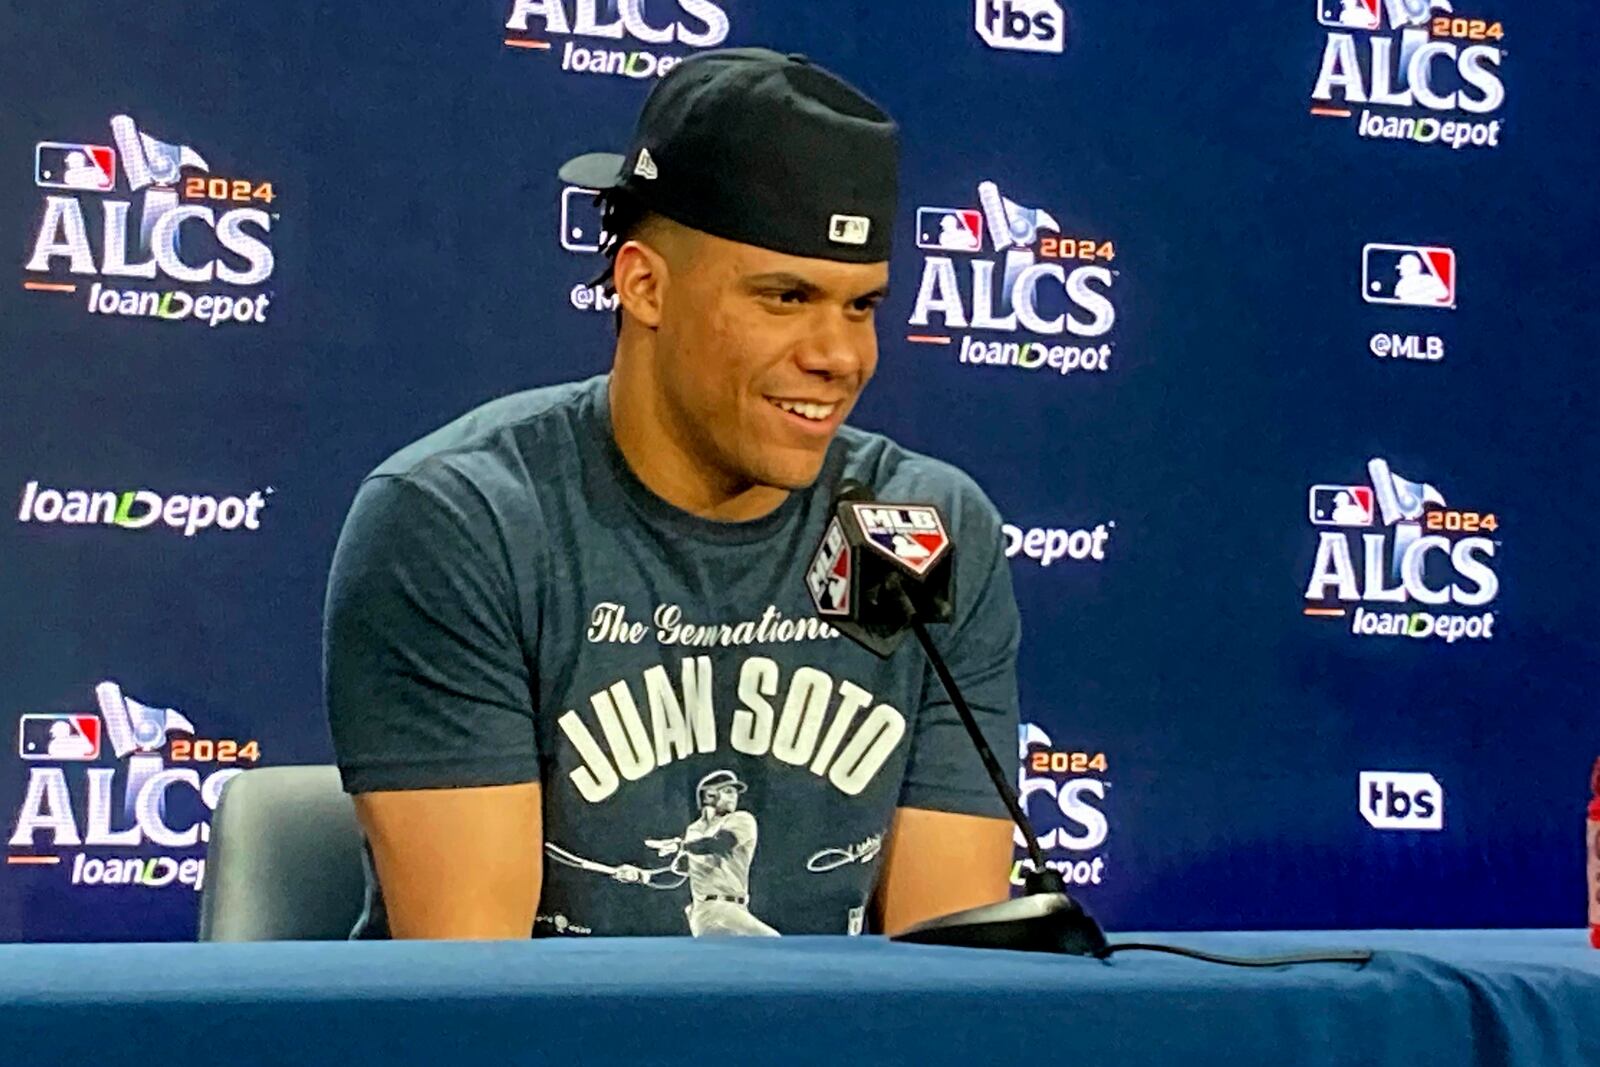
(656,455)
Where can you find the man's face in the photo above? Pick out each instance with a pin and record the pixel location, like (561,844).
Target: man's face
(761,355)
(724,799)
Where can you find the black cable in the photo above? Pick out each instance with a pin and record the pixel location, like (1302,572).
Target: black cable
(1008,795)
(1008,792)
(1357,955)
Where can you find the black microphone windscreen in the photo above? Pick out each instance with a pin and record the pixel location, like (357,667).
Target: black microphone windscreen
(850,489)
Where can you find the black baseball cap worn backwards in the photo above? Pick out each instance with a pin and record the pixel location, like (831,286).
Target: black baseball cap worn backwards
(761,148)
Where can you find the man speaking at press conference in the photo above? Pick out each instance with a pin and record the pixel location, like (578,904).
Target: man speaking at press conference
(575,681)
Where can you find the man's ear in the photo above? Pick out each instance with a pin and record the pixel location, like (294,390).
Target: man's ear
(640,275)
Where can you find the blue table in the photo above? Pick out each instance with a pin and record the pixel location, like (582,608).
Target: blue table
(1455,999)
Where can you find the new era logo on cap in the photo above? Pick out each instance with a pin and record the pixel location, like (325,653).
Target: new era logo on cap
(646,167)
(849,229)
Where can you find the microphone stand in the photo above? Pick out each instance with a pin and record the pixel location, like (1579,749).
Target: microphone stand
(1044,918)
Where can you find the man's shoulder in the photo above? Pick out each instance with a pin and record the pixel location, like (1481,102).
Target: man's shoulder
(904,475)
(500,448)
(740,821)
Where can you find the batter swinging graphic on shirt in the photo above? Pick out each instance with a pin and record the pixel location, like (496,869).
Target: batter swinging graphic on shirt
(713,856)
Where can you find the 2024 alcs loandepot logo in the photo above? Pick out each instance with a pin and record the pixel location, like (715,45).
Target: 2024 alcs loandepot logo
(1392,543)
(120,798)
(1411,70)
(1051,286)
(584,31)
(1062,790)
(198,227)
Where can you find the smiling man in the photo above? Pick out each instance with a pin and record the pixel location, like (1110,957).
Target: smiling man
(574,621)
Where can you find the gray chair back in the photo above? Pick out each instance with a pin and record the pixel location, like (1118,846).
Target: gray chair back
(284,861)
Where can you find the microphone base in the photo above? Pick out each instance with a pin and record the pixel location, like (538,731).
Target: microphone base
(1041,921)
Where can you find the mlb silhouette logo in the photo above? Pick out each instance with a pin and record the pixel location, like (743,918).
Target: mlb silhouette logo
(829,574)
(835,598)
(1341,505)
(849,229)
(1349,14)
(73,165)
(581,228)
(949,229)
(1411,275)
(59,737)
(913,536)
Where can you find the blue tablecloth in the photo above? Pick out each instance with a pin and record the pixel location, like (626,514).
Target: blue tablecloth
(1451,998)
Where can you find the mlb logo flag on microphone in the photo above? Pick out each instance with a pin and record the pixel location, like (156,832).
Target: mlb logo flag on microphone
(829,576)
(912,536)
(880,565)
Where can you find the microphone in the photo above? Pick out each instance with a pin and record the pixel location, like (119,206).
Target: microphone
(881,570)
(879,566)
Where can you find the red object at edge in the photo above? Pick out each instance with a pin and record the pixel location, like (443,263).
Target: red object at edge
(1593,863)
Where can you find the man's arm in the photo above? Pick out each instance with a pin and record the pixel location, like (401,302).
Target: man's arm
(949,846)
(718,844)
(937,862)
(430,706)
(457,863)
(740,827)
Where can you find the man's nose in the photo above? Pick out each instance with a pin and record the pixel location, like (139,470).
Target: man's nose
(834,347)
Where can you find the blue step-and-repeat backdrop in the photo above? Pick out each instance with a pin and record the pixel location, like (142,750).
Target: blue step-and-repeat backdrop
(1269,328)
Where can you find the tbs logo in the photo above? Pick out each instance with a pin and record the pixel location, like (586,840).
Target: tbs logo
(1022,25)
(1398,800)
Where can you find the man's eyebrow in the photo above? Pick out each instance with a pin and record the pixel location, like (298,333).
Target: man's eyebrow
(785,280)
(782,280)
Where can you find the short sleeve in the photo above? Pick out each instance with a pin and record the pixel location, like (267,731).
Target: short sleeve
(944,771)
(424,673)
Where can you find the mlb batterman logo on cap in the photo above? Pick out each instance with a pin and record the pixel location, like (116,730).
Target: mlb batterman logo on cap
(761,148)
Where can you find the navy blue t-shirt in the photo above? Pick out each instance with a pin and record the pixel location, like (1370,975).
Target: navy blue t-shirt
(509,603)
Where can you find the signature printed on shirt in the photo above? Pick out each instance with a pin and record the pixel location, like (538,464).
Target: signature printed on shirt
(827,859)
(562,925)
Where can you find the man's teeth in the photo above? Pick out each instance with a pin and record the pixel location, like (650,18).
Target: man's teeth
(815,412)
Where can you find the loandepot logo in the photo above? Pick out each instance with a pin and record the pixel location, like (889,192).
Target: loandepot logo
(191,225)
(675,24)
(1392,543)
(1062,791)
(170,781)
(1013,312)
(138,509)
(1411,70)
(1046,545)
